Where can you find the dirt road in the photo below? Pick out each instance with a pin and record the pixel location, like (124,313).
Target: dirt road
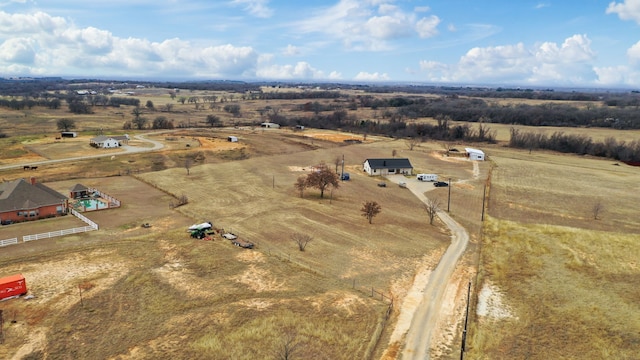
(423,305)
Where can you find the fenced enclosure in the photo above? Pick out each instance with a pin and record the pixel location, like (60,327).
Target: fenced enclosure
(90,227)
(8,242)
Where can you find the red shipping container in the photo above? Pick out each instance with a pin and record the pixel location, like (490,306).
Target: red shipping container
(12,286)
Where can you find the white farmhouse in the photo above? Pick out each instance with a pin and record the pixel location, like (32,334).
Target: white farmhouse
(387,166)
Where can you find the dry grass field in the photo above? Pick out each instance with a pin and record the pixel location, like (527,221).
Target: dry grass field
(551,281)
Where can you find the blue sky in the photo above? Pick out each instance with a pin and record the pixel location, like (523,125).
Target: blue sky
(575,43)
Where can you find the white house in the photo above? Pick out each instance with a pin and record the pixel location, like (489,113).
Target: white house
(104,142)
(474,154)
(387,166)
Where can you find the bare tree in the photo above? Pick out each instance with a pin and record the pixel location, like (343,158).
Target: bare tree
(301,184)
(413,142)
(323,178)
(370,209)
(65,124)
(302,240)
(394,152)
(597,210)
(289,346)
(432,206)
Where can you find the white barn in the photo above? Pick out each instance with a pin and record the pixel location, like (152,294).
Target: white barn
(270,125)
(474,154)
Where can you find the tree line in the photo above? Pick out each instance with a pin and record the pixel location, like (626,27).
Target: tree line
(628,152)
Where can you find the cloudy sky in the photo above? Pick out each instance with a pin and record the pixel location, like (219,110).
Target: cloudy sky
(586,43)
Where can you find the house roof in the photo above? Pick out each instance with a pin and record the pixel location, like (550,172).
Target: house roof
(79,187)
(472,150)
(103,138)
(22,195)
(390,163)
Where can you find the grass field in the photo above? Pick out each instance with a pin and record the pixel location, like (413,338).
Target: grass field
(552,281)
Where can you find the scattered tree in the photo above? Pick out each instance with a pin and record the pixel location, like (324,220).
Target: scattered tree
(289,346)
(162,122)
(413,142)
(139,122)
(65,124)
(322,178)
(432,206)
(301,184)
(302,240)
(149,105)
(370,209)
(394,152)
(233,109)
(213,120)
(597,210)
(182,99)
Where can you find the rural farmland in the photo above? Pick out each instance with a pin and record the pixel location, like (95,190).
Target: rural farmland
(541,265)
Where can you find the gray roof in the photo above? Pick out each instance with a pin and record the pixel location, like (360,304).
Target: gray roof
(21,195)
(79,187)
(390,163)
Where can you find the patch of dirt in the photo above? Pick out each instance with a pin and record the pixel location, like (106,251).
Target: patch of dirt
(490,304)
(215,144)
(260,280)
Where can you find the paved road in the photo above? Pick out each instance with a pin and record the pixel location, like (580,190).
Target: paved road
(418,337)
(126,149)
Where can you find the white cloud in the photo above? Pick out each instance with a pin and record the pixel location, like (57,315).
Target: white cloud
(302,70)
(569,63)
(365,76)
(291,50)
(257,8)
(51,45)
(634,53)
(627,10)
(369,25)
(428,27)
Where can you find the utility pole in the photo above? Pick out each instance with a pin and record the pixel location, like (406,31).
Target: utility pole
(466,320)
(342,175)
(484,196)
(449,197)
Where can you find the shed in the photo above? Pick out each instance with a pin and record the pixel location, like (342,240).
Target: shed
(68,134)
(79,191)
(388,166)
(232,138)
(474,154)
(270,125)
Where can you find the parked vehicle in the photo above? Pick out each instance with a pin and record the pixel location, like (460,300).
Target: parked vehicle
(402,184)
(427,177)
(382,184)
(12,286)
(242,243)
(345,176)
(440,184)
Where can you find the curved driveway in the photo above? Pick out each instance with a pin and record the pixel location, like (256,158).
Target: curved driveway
(126,150)
(417,339)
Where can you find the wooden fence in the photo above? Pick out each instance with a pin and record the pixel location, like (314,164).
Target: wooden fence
(90,227)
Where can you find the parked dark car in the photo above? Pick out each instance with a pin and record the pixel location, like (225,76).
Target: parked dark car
(440,184)
(382,184)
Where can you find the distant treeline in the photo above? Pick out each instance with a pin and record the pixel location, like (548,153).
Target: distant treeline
(577,144)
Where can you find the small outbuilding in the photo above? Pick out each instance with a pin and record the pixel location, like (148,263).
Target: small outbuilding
(232,138)
(474,154)
(79,191)
(270,125)
(388,166)
(68,134)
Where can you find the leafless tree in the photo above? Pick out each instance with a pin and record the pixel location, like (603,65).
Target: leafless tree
(301,184)
(302,240)
(597,210)
(289,346)
(394,152)
(413,142)
(432,206)
(322,179)
(370,209)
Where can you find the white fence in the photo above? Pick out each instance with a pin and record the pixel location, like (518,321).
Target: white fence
(91,226)
(9,242)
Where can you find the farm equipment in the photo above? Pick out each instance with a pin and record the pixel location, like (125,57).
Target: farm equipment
(237,241)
